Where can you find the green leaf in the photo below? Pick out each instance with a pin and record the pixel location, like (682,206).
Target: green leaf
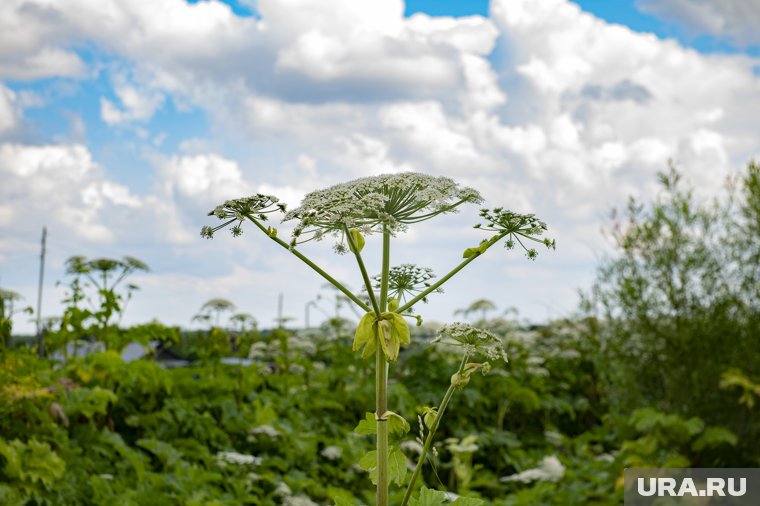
(396,465)
(396,423)
(369,463)
(400,327)
(467,501)
(384,335)
(367,426)
(470,252)
(169,456)
(714,436)
(356,244)
(370,348)
(365,334)
(428,497)
(393,304)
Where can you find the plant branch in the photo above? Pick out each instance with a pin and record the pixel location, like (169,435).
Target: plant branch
(448,276)
(363,270)
(314,266)
(431,432)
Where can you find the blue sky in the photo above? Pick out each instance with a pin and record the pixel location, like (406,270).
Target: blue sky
(121,125)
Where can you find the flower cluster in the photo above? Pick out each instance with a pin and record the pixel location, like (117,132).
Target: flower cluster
(389,201)
(332,452)
(472,340)
(236,210)
(513,226)
(406,279)
(238,459)
(550,469)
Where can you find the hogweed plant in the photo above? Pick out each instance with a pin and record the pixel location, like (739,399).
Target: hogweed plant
(388,205)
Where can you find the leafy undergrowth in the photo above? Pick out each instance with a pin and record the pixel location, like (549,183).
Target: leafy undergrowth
(98,430)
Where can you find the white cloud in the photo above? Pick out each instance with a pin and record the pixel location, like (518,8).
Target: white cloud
(9,112)
(209,177)
(137,105)
(736,20)
(565,119)
(59,185)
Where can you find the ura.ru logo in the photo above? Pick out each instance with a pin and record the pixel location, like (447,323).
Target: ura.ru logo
(713,487)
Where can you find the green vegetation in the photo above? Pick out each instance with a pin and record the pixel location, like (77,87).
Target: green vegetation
(658,369)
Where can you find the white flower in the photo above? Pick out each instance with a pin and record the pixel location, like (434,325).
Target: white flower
(406,279)
(296,369)
(332,452)
(305,346)
(298,500)
(513,226)
(224,458)
(283,489)
(466,445)
(391,201)
(267,430)
(411,446)
(550,469)
(256,206)
(473,340)
(257,350)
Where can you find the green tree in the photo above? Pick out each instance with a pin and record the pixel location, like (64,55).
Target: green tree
(679,305)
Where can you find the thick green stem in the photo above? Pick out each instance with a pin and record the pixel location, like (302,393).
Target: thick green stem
(381,387)
(381,406)
(385,270)
(445,278)
(429,440)
(314,266)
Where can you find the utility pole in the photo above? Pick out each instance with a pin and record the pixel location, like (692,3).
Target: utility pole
(279,311)
(40,342)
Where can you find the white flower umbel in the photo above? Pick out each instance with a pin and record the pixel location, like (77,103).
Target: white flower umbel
(238,459)
(515,226)
(472,340)
(332,452)
(390,201)
(237,210)
(299,500)
(406,279)
(550,469)
(283,490)
(266,430)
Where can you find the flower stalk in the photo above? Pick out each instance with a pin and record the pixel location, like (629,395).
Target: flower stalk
(388,204)
(431,433)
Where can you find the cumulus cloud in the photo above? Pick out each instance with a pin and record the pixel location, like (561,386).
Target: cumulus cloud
(9,112)
(58,185)
(545,108)
(735,20)
(136,105)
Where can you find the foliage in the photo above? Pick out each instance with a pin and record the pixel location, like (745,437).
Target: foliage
(682,297)
(91,314)
(7,298)
(556,425)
